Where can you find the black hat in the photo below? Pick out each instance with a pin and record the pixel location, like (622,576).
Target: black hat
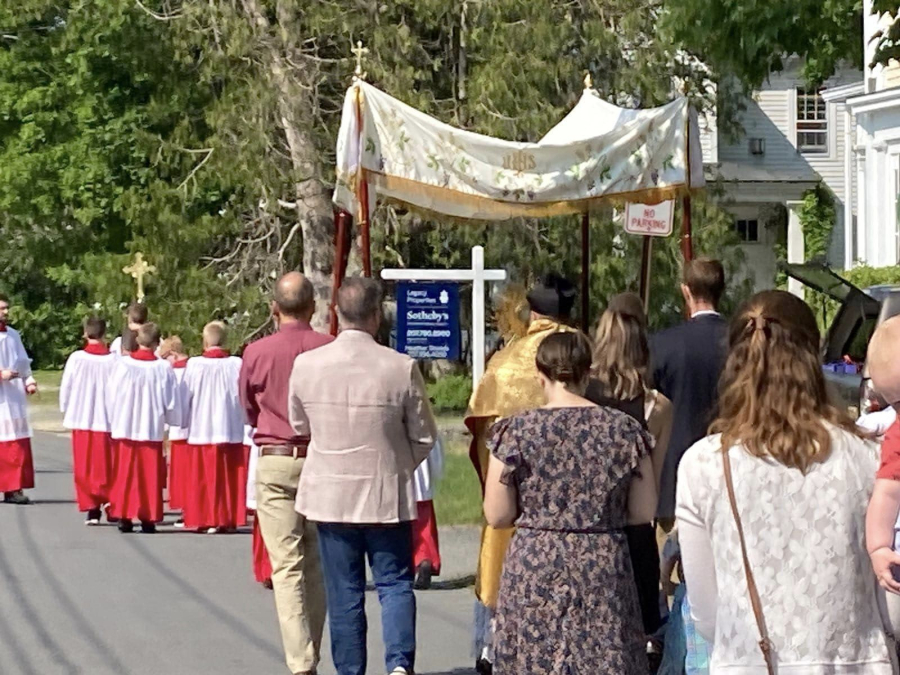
(552,296)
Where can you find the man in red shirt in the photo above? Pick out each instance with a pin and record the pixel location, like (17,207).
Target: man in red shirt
(290,540)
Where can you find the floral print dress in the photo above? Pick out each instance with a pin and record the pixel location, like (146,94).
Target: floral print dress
(568,604)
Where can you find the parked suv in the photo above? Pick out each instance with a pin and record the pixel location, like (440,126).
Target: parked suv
(847,338)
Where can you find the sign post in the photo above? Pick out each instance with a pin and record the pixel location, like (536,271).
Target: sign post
(648,221)
(477,275)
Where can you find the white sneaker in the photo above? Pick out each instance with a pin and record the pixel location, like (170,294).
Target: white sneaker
(400,671)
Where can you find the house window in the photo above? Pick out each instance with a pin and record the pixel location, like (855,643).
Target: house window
(747,230)
(812,123)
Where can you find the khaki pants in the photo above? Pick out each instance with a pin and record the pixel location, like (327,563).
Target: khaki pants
(293,549)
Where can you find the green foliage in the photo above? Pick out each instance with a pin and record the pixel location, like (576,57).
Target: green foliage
(122,133)
(888,39)
(750,40)
(817,218)
(862,277)
(450,393)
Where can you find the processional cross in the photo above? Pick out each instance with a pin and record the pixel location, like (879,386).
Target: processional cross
(138,270)
(360,52)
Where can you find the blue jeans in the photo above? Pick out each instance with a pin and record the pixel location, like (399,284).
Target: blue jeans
(343,550)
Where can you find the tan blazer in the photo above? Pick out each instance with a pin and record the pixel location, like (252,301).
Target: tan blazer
(365,409)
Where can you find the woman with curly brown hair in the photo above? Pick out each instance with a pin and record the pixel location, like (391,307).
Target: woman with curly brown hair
(771,511)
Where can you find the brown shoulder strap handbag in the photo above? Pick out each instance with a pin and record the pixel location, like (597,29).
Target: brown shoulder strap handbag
(765,645)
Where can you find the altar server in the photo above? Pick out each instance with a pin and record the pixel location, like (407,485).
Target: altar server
(216,497)
(262,566)
(82,400)
(172,350)
(426,549)
(135,316)
(142,398)
(16,463)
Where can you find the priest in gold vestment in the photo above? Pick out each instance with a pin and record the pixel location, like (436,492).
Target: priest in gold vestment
(509,386)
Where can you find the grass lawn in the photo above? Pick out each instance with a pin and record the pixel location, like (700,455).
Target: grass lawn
(457,499)
(48,388)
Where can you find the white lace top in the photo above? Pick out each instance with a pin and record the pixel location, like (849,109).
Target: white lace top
(806,543)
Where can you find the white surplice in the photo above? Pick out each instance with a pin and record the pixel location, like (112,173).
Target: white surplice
(83,391)
(251,466)
(180,433)
(116,346)
(429,472)
(213,398)
(13,407)
(141,399)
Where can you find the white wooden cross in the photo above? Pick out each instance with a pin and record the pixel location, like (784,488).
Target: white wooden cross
(477,275)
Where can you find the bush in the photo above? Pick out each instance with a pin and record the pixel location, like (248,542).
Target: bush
(450,393)
(862,277)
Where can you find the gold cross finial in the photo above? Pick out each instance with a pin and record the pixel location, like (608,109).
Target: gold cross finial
(588,80)
(138,270)
(360,52)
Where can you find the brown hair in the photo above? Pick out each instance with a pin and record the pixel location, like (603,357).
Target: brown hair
(137,313)
(172,345)
(773,399)
(148,336)
(705,279)
(94,328)
(565,357)
(359,299)
(621,354)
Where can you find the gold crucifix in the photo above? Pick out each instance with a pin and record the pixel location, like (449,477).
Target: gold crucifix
(360,52)
(138,270)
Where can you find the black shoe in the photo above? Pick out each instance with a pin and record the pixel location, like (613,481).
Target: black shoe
(17,497)
(484,667)
(93,517)
(126,526)
(148,528)
(424,572)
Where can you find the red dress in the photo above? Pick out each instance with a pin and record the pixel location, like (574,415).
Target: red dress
(93,468)
(138,486)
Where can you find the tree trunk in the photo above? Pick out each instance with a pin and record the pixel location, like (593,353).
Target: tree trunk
(295,103)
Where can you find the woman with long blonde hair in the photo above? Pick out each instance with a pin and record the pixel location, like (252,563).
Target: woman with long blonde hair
(776,563)
(619,379)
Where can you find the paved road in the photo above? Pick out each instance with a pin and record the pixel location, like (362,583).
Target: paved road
(89,600)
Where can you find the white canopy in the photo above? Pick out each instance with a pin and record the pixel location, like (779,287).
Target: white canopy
(598,151)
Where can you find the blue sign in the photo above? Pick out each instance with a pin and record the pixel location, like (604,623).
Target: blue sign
(428,320)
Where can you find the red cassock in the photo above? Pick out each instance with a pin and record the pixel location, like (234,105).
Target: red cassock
(179,456)
(93,467)
(16,465)
(137,492)
(262,566)
(425,537)
(216,495)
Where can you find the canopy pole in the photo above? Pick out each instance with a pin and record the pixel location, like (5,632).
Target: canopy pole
(646,255)
(585,271)
(342,224)
(363,186)
(687,243)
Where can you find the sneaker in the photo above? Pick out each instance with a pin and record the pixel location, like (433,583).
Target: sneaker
(148,528)
(17,497)
(424,573)
(209,530)
(125,526)
(93,517)
(484,667)
(400,671)
(179,524)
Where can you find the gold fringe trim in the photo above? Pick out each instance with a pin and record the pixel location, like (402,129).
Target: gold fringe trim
(486,208)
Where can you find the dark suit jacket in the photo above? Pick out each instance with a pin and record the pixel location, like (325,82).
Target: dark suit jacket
(686,362)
